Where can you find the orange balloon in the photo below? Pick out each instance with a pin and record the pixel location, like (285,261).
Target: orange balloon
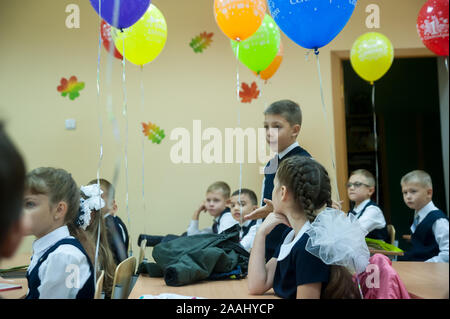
(239,19)
(273,67)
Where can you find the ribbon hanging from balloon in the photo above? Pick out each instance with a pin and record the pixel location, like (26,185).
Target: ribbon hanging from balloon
(120,13)
(258,51)
(311,24)
(239,19)
(371,57)
(433,26)
(145,40)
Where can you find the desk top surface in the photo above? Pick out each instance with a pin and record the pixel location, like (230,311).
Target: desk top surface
(422,280)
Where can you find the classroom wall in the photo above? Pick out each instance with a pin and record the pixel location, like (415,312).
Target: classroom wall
(180,86)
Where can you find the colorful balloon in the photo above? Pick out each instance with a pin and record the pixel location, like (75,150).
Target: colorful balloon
(128,11)
(108,41)
(239,19)
(258,51)
(145,40)
(371,56)
(311,24)
(273,67)
(432,26)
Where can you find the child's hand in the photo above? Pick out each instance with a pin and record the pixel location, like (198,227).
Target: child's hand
(202,208)
(261,212)
(337,205)
(272,220)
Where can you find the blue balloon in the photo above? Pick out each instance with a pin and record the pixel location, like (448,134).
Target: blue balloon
(311,24)
(128,11)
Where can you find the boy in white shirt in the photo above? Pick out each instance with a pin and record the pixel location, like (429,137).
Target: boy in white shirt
(241,205)
(360,188)
(429,230)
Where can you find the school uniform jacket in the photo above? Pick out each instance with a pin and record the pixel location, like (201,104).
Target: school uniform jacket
(60,268)
(372,220)
(296,266)
(429,237)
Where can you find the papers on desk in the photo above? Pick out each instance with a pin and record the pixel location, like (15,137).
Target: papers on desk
(168,296)
(6,287)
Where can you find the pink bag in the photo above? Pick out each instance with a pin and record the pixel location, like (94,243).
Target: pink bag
(381,281)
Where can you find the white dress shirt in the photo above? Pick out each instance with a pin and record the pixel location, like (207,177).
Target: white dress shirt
(226,222)
(372,218)
(64,272)
(440,231)
(247,240)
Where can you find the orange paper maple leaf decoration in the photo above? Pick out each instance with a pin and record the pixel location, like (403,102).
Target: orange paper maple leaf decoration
(248,93)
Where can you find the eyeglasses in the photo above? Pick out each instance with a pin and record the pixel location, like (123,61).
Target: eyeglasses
(356,185)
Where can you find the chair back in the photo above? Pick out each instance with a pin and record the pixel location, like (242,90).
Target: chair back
(142,252)
(99,286)
(391,232)
(122,278)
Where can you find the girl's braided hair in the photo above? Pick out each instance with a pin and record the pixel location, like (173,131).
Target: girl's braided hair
(310,184)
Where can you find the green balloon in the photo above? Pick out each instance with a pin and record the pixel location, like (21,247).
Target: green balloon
(258,51)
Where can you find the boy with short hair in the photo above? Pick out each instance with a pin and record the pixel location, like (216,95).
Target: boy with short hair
(360,188)
(244,201)
(217,199)
(283,121)
(429,230)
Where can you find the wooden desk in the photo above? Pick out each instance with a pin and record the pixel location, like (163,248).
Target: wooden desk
(222,289)
(17,260)
(424,280)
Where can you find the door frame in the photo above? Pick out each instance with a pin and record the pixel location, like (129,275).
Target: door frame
(340,132)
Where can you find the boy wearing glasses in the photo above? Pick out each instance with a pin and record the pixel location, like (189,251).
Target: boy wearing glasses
(360,188)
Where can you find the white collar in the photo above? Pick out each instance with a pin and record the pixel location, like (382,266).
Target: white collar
(361,206)
(423,212)
(289,241)
(45,242)
(287,150)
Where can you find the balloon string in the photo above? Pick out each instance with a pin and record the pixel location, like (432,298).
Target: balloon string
(375,136)
(143,145)
(100,129)
(327,124)
(239,124)
(125,114)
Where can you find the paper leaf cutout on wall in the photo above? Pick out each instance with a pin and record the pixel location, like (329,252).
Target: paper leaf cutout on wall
(201,42)
(70,87)
(248,93)
(153,132)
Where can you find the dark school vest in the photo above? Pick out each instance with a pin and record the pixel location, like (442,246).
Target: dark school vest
(215,226)
(86,292)
(274,238)
(424,245)
(380,233)
(245,229)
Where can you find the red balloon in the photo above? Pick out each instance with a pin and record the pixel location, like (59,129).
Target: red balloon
(107,39)
(432,26)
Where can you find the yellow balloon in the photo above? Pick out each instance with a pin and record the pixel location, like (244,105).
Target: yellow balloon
(372,56)
(143,42)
